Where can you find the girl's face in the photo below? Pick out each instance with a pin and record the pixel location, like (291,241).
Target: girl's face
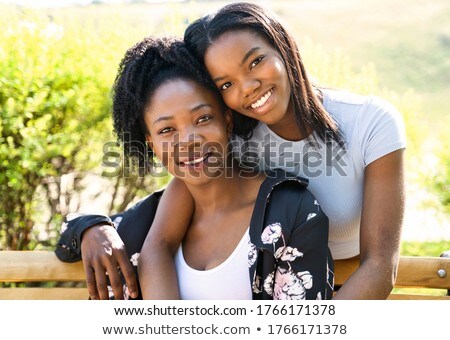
(251,76)
(188,130)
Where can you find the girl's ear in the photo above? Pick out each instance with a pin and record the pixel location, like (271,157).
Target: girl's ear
(229,122)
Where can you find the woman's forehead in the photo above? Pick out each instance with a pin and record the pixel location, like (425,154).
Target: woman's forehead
(180,95)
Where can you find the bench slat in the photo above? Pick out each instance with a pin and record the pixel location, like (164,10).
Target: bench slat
(423,272)
(412,271)
(34,266)
(417,297)
(29,266)
(44,293)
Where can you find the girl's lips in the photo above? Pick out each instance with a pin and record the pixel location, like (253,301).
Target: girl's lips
(262,100)
(265,104)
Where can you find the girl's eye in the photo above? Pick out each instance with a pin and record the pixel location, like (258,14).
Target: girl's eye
(204,119)
(225,86)
(165,130)
(256,62)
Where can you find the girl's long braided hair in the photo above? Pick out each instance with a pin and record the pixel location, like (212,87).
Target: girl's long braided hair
(309,111)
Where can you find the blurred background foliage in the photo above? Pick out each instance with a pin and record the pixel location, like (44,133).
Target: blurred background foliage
(57,67)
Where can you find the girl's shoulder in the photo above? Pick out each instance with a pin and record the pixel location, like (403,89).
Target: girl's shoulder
(286,197)
(344,104)
(362,112)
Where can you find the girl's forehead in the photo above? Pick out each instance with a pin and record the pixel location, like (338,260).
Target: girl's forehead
(243,34)
(233,41)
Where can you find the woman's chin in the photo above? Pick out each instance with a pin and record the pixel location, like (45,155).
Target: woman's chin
(199,176)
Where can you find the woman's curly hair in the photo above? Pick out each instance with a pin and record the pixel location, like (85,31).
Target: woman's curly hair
(145,67)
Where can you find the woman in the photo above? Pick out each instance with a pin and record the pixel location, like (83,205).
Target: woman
(250,236)
(350,147)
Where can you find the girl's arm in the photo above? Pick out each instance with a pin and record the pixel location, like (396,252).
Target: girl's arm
(381,223)
(156,268)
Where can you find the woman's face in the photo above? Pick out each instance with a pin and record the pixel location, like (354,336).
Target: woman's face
(251,75)
(188,130)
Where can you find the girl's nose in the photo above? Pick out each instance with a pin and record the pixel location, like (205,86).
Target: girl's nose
(249,86)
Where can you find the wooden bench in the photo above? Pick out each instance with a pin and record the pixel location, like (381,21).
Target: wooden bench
(43,266)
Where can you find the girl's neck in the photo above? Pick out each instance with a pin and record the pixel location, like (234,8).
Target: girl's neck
(288,127)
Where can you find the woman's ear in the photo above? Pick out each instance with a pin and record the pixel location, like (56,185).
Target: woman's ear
(229,122)
(149,140)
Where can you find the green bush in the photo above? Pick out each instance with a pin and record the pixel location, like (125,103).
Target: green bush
(54,114)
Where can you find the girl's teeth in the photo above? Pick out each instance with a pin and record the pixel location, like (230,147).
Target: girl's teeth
(261,101)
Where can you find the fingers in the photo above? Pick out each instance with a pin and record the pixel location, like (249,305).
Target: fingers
(103,252)
(97,281)
(128,273)
(101,285)
(115,282)
(90,281)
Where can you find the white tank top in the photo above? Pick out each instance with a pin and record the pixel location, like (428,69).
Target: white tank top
(228,281)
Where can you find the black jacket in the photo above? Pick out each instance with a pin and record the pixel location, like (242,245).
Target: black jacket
(288,254)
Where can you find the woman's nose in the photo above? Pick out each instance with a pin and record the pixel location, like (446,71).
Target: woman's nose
(187,137)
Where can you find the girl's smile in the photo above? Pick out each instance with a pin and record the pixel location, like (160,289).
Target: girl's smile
(252,77)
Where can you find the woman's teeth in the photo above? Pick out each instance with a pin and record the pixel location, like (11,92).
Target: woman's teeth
(196,161)
(262,101)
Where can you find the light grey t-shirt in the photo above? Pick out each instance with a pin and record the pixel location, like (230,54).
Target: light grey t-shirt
(371,128)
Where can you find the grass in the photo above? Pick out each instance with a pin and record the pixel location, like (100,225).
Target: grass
(424,248)
(408,41)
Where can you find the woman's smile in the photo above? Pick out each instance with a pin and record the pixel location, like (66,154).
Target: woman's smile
(196,162)
(188,132)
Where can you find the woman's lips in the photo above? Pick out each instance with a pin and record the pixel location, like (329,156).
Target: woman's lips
(197,162)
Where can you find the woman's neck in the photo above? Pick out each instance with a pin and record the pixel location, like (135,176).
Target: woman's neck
(230,190)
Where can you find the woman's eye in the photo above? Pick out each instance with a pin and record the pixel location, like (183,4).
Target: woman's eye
(225,86)
(256,62)
(204,119)
(165,130)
